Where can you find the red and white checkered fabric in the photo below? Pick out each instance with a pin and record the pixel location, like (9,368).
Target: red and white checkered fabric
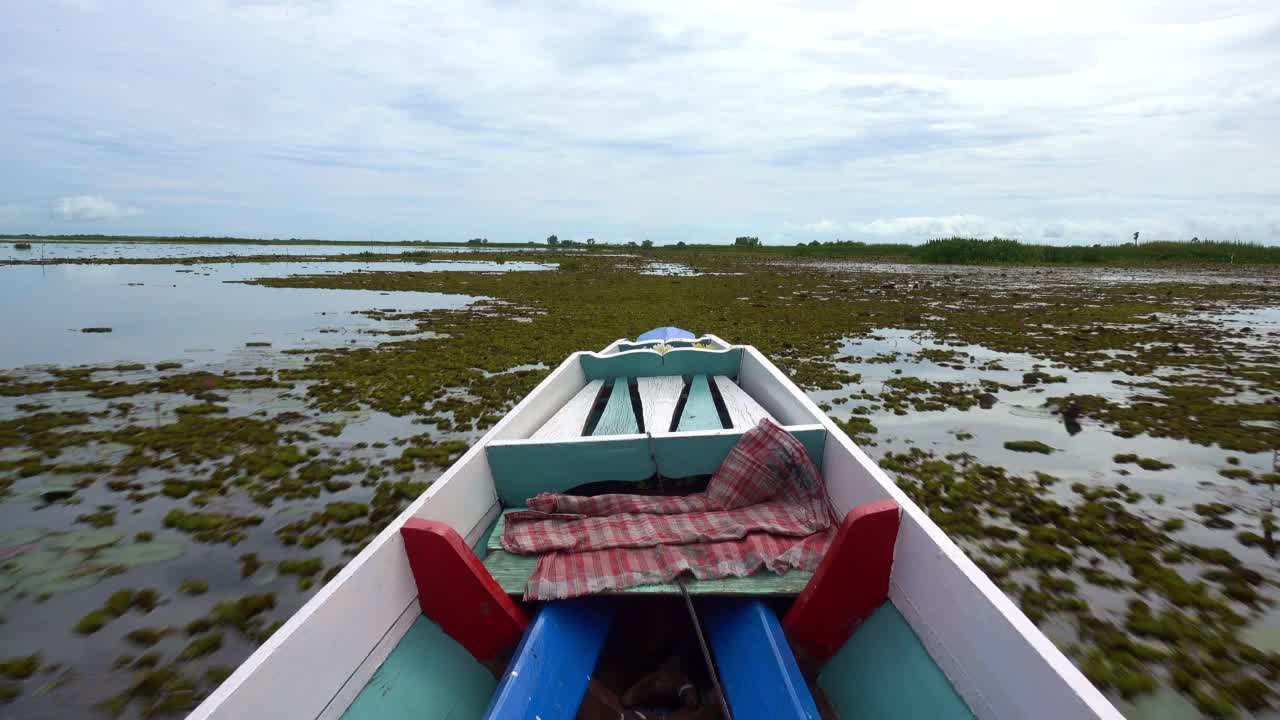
(766,507)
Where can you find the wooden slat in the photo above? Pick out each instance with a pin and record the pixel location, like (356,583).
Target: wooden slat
(512,573)
(699,408)
(570,420)
(658,399)
(618,418)
(744,411)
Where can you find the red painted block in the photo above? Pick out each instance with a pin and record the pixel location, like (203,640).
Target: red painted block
(851,582)
(457,591)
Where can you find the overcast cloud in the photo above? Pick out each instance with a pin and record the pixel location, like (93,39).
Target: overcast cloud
(882,120)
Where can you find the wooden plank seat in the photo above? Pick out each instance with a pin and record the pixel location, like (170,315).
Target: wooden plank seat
(659,399)
(570,420)
(512,573)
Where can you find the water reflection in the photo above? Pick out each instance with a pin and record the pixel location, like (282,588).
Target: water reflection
(197,313)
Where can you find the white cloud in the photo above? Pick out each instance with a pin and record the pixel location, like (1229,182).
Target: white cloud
(821,226)
(1056,231)
(673,121)
(91,208)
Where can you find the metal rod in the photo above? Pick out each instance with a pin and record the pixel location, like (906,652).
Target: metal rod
(706,652)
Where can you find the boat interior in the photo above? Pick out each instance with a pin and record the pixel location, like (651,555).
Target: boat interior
(652,418)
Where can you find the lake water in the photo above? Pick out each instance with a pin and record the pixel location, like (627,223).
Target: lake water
(118,250)
(160,313)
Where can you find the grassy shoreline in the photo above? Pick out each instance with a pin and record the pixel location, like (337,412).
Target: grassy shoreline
(948,251)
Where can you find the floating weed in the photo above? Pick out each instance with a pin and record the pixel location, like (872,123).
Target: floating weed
(146,637)
(1199,617)
(20,668)
(189,586)
(201,646)
(1032,446)
(211,527)
(1144,463)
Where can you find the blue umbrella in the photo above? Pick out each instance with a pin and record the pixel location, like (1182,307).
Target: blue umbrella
(666,333)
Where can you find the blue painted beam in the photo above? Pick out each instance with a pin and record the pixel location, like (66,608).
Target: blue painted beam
(757,668)
(553,664)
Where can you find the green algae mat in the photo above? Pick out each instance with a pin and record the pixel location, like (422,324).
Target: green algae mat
(1101,442)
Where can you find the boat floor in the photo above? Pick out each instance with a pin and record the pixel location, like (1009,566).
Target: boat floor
(512,573)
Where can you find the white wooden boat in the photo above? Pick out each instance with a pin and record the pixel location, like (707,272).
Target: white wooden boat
(944,643)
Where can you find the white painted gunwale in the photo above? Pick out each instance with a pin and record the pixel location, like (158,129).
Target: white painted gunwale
(317,662)
(995,657)
(1002,665)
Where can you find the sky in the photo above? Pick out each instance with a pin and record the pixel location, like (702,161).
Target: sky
(876,120)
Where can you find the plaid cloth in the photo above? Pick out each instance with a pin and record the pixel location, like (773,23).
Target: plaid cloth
(766,507)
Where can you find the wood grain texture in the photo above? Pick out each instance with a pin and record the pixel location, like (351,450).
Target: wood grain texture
(658,399)
(570,420)
(512,573)
(699,408)
(619,417)
(744,411)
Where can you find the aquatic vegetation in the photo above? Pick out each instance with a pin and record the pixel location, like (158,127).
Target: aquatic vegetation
(104,516)
(189,586)
(146,637)
(249,565)
(1218,668)
(201,646)
(1032,446)
(211,527)
(20,668)
(159,692)
(1144,463)
(480,360)
(92,622)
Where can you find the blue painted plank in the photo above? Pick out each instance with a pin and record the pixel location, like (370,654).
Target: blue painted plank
(553,663)
(681,456)
(522,469)
(885,671)
(428,676)
(699,408)
(618,417)
(761,678)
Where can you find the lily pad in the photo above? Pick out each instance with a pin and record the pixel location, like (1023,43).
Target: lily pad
(21,536)
(134,554)
(84,539)
(64,583)
(40,563)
